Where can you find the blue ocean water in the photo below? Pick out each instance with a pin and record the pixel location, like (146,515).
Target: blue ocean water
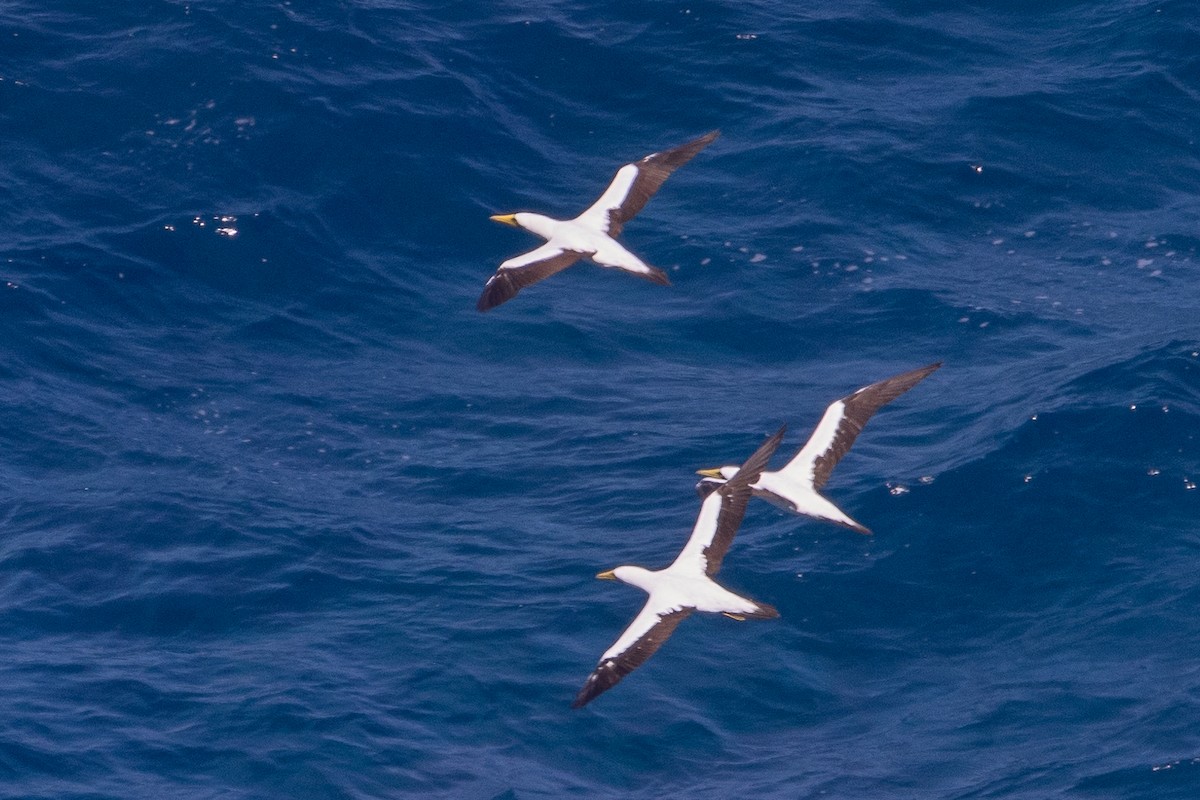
(283,516)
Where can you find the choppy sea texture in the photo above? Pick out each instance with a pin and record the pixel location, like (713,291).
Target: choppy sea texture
(283,516)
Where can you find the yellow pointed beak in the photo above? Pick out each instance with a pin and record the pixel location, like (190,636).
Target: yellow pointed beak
(606,576)
(715,472)
(507,219)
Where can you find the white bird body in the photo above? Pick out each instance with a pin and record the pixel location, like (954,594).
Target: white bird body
(795,494)
(591,234)
(796,487)
(674,592)
(671,590)
(577,235)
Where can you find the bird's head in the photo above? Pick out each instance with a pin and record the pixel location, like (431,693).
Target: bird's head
(507,219)
(630,575)
(713,479)
(718,474)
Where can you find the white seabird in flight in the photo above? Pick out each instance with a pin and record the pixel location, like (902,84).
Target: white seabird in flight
(593,233)
(797,486)
(686,585)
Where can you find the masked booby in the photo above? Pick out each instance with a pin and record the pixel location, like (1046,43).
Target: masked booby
(796,487)
(686,585)
(591,234)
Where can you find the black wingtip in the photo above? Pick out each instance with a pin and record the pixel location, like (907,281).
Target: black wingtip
(585,696)
(678,156)
(876,395)
(597,684)
(499,289)
(915,376)
(764,611)
(698,144)
(656,275)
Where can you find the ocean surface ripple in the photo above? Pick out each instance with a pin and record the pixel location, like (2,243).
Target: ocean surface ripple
(285,517)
